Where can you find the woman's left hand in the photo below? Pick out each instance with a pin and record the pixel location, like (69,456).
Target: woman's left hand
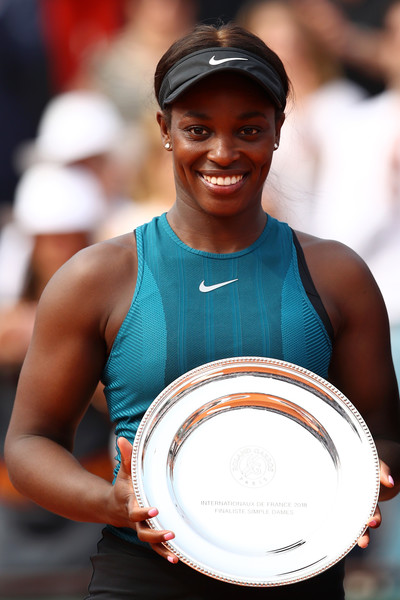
(387,484)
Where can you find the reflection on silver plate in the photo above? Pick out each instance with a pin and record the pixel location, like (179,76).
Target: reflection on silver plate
(265,472)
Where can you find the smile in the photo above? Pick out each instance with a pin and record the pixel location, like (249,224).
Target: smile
(223,181)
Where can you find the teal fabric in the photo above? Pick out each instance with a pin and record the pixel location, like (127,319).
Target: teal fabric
(173,327)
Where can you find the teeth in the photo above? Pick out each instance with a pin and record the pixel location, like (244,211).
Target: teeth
(223,180)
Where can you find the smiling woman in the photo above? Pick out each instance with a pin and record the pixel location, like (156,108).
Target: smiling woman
(215,277)
(222,132)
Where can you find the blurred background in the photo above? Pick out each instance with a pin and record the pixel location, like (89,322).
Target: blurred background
(81,160)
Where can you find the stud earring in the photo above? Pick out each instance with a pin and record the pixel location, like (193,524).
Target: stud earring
(167,146)
(276,146)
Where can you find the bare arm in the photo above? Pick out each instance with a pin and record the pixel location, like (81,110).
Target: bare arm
(361,365)
(362,368)
(76,319)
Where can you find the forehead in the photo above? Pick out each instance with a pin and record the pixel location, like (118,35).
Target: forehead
(228,89)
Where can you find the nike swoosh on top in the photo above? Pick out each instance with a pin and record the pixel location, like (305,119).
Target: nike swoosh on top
(209,288)
(214,61)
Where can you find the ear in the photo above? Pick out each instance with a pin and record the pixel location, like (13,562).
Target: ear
(164,129)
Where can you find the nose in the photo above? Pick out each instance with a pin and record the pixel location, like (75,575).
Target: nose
(223,151)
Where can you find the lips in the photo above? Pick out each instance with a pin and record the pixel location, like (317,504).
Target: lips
(223,181)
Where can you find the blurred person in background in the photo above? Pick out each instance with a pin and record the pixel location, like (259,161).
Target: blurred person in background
(360,177)
(77,128)
(71,30)
(350,30)
(107,46)
(25,86)
(58,210)
(123,68)
(42,45)
(153,191)
(320,91)
(84,128)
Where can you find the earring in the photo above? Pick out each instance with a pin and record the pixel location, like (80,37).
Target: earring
(276,146)
(167,146)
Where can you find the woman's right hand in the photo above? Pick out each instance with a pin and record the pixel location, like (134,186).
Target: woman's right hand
(124,505)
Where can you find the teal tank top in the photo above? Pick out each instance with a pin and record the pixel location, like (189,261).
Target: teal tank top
(191,307)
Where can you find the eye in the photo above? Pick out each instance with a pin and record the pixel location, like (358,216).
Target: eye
(249,131)
(197,131)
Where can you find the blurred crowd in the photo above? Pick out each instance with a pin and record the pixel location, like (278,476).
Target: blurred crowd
(81,160)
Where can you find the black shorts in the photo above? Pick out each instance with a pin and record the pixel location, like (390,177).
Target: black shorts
(123,571)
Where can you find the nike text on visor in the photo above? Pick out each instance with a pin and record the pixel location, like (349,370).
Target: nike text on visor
(198,65)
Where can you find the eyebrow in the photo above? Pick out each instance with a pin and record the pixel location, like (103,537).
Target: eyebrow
(197,115)
(253,114)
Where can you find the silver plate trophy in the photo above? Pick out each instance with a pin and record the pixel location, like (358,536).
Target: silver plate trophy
(265,472)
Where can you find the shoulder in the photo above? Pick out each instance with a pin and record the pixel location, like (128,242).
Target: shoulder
(326,249)
(342,278)
(109,254)
(330,258)
(98,264)
(94,285)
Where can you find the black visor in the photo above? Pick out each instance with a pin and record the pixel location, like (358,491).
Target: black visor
(198,65)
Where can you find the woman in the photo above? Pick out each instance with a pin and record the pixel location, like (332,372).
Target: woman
(222,95)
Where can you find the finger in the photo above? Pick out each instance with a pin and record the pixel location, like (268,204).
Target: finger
(138,515)
(373,523)
(152,536)
(385,475)
(387,482)
(165,553)
(157,539)
(376,519)
(363,540)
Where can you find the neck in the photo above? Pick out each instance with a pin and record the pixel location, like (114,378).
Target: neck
(218,235)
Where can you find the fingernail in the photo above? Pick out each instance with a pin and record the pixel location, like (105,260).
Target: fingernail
(168,536)
(172,559)
(152,512)
(372,523)
(391,480)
